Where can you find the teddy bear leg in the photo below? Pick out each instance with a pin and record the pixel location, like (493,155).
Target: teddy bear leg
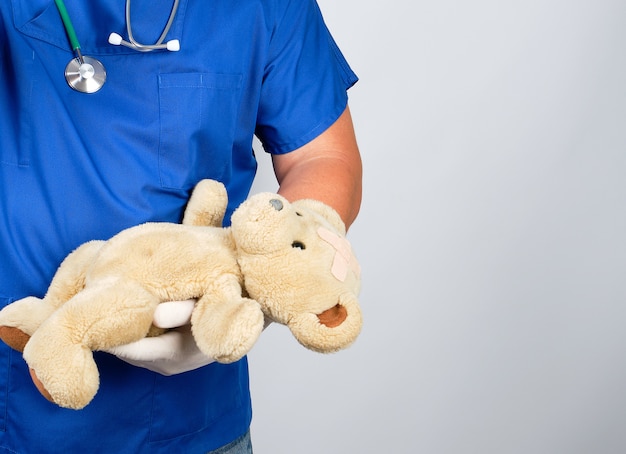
(60,354)
(62,370)
(225,325)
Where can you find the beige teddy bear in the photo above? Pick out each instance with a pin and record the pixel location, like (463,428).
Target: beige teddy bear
(287,261)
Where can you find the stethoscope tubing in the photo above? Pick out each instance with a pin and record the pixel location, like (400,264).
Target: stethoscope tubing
(87,74)
(159,43)
(67,23)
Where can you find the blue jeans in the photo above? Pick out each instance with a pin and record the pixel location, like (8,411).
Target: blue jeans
(242,445)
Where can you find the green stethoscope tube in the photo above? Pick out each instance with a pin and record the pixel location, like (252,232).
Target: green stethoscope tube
(67,23)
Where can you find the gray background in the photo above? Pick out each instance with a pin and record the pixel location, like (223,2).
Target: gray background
(492,238)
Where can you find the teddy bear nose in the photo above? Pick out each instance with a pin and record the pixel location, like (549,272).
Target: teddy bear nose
(277,204)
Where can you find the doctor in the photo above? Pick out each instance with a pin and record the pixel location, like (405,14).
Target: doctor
(78,164)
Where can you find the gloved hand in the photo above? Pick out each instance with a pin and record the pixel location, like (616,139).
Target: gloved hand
(173,352)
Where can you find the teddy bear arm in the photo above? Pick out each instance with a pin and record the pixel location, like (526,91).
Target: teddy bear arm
(207,204)
(225,324)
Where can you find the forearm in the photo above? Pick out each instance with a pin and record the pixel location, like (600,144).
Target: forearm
(328,169)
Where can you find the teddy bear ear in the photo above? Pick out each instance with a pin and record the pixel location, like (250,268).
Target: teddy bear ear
(331,330)
(323,210)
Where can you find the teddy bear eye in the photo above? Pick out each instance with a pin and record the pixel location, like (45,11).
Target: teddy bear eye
(298,214)
(298,244)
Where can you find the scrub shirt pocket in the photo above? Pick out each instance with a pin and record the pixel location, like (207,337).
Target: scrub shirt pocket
(17,100)
(198,114)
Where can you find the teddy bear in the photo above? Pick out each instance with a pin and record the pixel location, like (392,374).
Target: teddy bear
(286,262)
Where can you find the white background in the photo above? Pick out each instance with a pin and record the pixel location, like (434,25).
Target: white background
(492,238)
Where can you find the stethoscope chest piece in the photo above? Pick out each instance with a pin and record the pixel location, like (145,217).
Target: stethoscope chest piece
(87,76)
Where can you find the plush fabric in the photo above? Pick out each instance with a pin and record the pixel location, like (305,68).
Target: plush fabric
(285,261)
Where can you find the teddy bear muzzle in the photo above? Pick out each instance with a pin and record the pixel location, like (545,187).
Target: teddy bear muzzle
(330,331)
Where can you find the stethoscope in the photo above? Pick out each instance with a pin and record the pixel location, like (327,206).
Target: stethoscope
(87,74)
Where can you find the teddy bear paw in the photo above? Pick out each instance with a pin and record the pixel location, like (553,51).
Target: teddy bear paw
(70,380)
(14,337)
(229,333)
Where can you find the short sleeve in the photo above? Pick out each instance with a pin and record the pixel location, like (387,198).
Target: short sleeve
(305,81)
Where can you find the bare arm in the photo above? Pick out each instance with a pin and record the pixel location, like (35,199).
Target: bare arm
(328,169)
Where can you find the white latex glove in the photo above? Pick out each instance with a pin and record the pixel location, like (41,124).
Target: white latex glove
(173,352)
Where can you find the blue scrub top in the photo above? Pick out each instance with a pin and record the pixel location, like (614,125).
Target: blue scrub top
(76,167)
